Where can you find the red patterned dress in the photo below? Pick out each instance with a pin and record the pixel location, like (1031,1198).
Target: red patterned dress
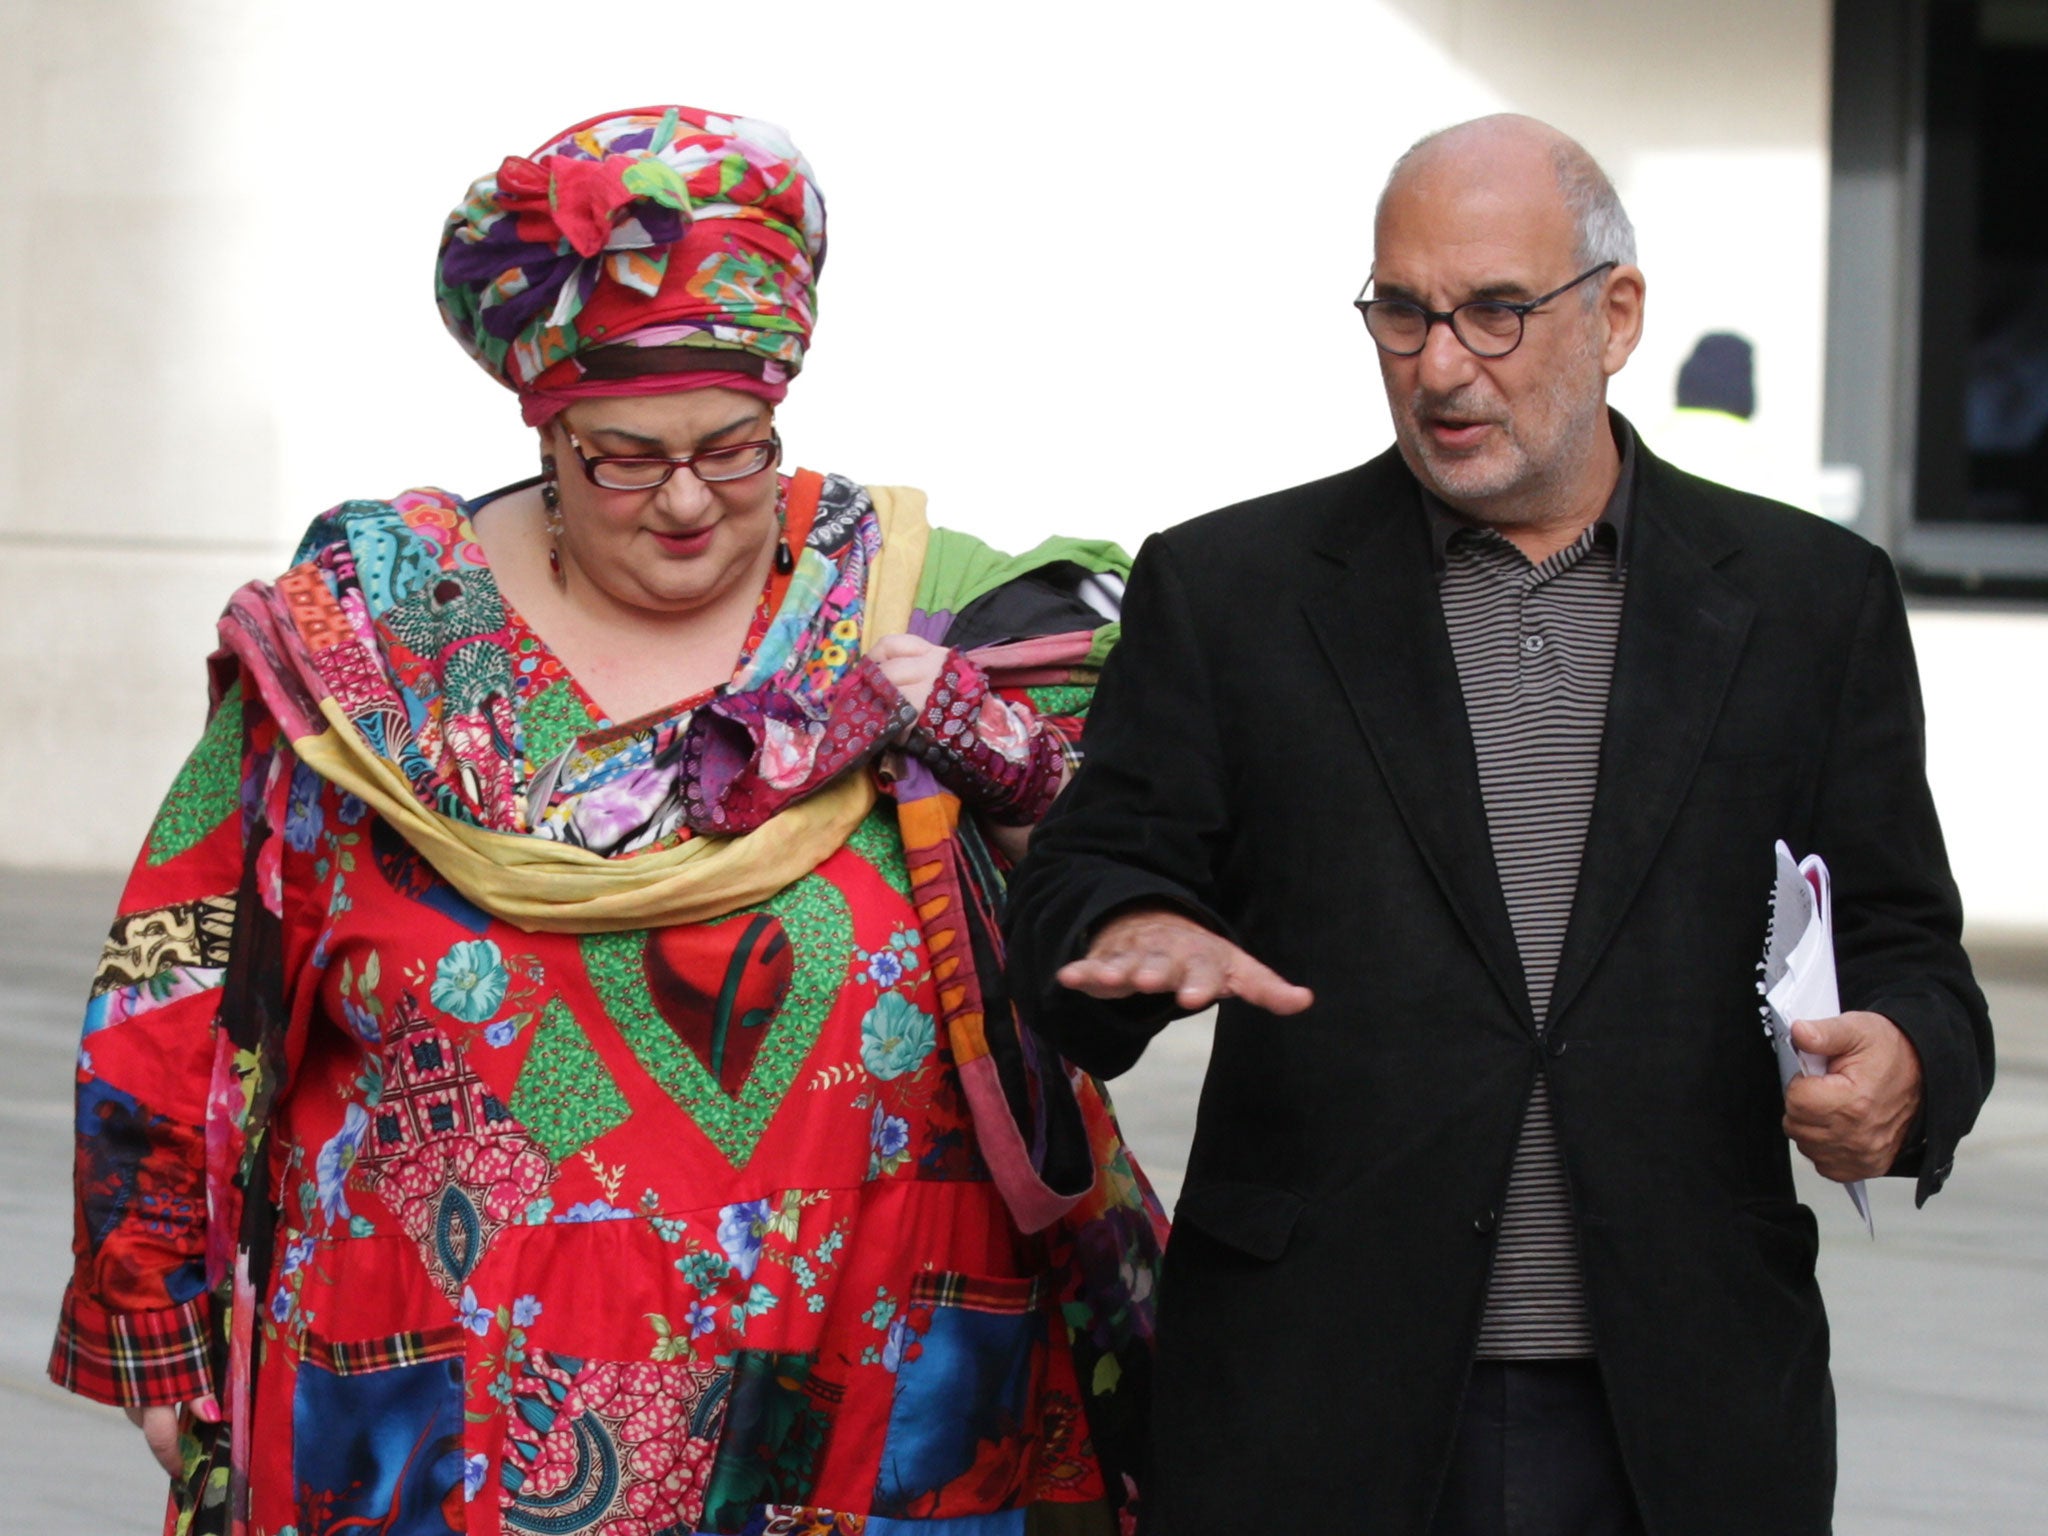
(628,1233)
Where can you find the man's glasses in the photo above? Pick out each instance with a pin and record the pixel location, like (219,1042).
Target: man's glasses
(1488,327)
(642,472)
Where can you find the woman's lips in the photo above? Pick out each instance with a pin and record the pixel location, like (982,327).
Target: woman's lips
(695,542)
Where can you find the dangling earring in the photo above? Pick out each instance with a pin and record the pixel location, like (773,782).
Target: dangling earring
(785,557)
(551,505)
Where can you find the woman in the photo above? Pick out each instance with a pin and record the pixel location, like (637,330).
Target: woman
(549,1072)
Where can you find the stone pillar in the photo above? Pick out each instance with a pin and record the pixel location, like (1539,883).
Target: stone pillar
(138,447)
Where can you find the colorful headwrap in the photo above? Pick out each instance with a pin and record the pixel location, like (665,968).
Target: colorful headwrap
(638,253)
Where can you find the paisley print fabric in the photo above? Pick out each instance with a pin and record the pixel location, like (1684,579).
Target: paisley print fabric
(187,936)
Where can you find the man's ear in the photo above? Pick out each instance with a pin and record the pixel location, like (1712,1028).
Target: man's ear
(1621,306)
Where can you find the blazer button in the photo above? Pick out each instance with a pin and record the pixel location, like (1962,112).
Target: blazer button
(1554,1045)
(1485,1222)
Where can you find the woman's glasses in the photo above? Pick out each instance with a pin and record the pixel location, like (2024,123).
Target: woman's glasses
(643,472)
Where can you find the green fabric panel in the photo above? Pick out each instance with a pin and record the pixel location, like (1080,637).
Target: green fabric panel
(1069,699)
(565,1096)
(208,789)
(820,927)
(958,567)
(551,720)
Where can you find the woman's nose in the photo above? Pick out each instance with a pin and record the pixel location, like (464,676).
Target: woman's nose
(683,495)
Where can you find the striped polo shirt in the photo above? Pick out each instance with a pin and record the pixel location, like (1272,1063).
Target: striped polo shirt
(1535,654)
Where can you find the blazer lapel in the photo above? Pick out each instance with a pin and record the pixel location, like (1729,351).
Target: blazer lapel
(1682,632)
(1374,609)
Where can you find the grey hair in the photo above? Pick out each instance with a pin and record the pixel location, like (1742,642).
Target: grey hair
(1604,232)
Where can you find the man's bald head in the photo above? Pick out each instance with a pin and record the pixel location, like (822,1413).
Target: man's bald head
(1496,218)
(1512,148)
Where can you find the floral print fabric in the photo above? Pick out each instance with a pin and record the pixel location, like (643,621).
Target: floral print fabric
(403,625)
(697,232)
(626,1232)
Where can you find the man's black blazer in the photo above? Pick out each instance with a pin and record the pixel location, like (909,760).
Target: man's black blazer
(1279,746)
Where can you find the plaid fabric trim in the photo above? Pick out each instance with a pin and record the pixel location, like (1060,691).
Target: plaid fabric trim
(364,1356)
(133,1359)
(972,1293)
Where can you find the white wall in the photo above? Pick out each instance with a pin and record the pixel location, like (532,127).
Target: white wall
(1090,270)
(1987,747)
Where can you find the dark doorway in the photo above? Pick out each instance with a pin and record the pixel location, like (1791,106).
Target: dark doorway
(1984,357)
(1937,381)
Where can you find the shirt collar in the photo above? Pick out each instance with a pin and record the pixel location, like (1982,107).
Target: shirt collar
(1445,524)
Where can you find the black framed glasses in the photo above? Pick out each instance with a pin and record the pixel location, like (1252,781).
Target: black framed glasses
(644,472)
(1487,327)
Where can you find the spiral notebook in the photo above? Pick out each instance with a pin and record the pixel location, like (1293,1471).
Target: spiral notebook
(1799,975)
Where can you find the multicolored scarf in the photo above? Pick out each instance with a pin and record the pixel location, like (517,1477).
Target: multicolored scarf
(635,247)
(392,678)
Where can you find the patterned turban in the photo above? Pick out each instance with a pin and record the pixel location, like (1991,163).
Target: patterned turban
(659,249)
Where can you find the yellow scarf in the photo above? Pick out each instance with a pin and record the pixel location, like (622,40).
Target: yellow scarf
(542,885)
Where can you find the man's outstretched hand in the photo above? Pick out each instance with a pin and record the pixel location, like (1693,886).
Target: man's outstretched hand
(1157,950)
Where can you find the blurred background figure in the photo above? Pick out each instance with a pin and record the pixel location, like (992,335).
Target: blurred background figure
(1712,432)
(1719,377)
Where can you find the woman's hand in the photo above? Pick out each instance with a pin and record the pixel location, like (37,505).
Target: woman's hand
(913,665)
(998,758)
(159,1426)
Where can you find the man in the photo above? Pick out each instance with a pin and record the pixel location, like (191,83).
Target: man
(1455,778)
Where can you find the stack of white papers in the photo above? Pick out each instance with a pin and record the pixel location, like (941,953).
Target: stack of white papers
(1799,975)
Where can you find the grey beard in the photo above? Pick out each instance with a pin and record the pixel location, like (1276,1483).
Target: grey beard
(1521,492)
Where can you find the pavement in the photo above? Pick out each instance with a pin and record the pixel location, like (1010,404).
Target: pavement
(1940,1325)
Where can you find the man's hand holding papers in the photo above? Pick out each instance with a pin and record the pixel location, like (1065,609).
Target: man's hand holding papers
(1853,1122)
(1852,1080)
